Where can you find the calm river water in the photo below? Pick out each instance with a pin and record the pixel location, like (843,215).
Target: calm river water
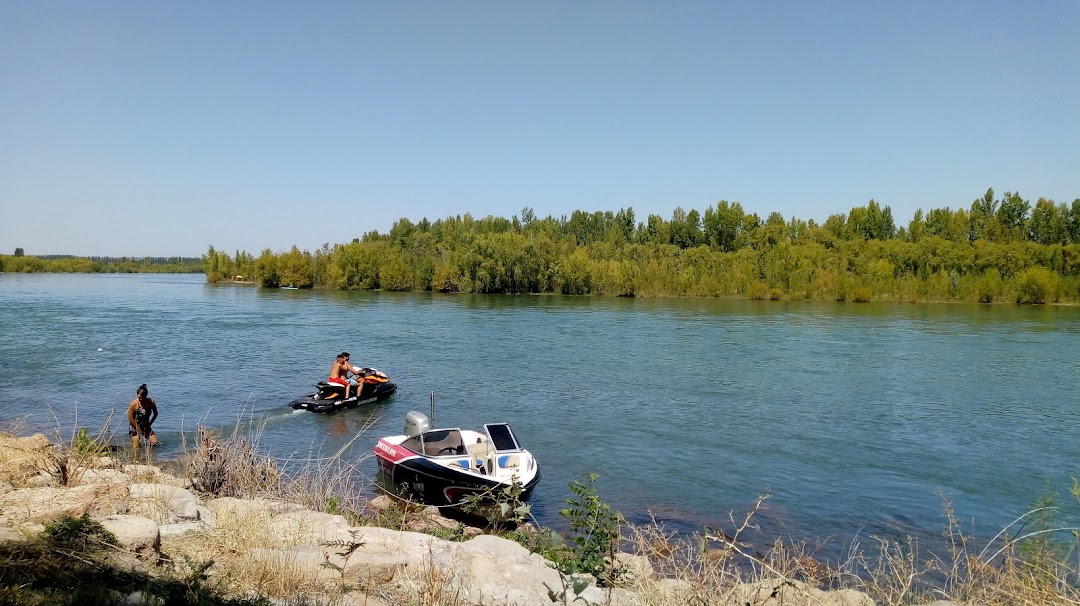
(856,419)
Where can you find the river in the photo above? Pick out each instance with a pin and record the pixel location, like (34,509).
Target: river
(855,419)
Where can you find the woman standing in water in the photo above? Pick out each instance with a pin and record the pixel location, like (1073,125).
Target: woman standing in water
(142,412)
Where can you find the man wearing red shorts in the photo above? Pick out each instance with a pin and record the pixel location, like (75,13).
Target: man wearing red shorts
(339,372)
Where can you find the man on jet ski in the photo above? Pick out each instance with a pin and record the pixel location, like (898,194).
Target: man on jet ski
(339,373)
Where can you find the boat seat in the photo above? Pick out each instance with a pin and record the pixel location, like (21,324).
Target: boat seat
(478,450)
(509,460)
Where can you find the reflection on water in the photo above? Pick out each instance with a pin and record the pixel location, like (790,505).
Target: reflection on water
(853,418)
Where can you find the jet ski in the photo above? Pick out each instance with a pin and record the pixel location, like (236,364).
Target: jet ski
(372,385)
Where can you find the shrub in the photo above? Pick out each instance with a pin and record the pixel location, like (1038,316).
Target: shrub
(1037,285)
(85,445)
(758,291)
(231,468)
(78,533)
(989,285)
(594,533)
(861,295)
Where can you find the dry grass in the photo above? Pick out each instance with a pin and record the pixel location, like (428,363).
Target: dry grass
(63,459)
(247,558)
(1015,568)
(426,585)
(231,467)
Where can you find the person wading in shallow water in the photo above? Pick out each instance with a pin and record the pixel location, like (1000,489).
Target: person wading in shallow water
(142,412)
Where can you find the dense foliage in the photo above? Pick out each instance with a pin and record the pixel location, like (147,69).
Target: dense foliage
(997,250)
(20,263)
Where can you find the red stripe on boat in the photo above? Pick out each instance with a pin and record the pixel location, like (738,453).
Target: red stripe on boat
(392,452)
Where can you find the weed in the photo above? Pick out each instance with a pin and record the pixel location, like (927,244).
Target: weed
(347,548)
(79,533)
(85,445)
(455,534)
(571,590)
(594,533)
(501,506)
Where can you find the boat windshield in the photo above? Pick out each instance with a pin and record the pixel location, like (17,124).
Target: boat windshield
(437,442)
(502,438)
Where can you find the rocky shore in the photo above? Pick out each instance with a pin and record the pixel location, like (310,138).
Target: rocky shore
(291,555)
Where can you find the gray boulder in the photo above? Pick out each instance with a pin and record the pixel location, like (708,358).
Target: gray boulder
(137,534)
(165,503)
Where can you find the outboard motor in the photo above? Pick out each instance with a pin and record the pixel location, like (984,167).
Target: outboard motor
(416,423)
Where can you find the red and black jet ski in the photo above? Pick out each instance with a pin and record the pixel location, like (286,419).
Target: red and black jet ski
(373,385)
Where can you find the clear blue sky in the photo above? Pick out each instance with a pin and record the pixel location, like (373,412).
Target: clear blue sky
(159,128)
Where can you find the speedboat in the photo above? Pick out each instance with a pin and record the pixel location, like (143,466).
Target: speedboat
(372,385)
(443,466)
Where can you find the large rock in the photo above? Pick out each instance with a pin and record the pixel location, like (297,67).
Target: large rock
(308,528)
(781,592)
(494,570)
(164,503)
(372,553)
(240,509)
(41,480)
(42,505)
(171,531)
(137,534)
(381,503)
(148,474)
(487,569)
(327,563)
(207,517)
(104,462)
(101,476)
(10,535)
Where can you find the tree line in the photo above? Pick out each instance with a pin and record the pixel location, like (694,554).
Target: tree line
(998,249)
(22,263)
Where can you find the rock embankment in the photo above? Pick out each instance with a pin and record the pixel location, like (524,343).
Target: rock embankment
(282,550)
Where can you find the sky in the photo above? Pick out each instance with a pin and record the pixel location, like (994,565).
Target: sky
(132,128)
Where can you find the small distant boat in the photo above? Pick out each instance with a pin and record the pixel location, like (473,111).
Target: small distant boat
(443,466)
(290,287)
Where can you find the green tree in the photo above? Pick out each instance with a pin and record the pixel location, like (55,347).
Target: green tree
(266,269)
(981,218)
(19,252)
(295,268)
(1072,223)
(624,220)
(917,227)
(723,226)
(1012,217)
(870,222)
(1047,223)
